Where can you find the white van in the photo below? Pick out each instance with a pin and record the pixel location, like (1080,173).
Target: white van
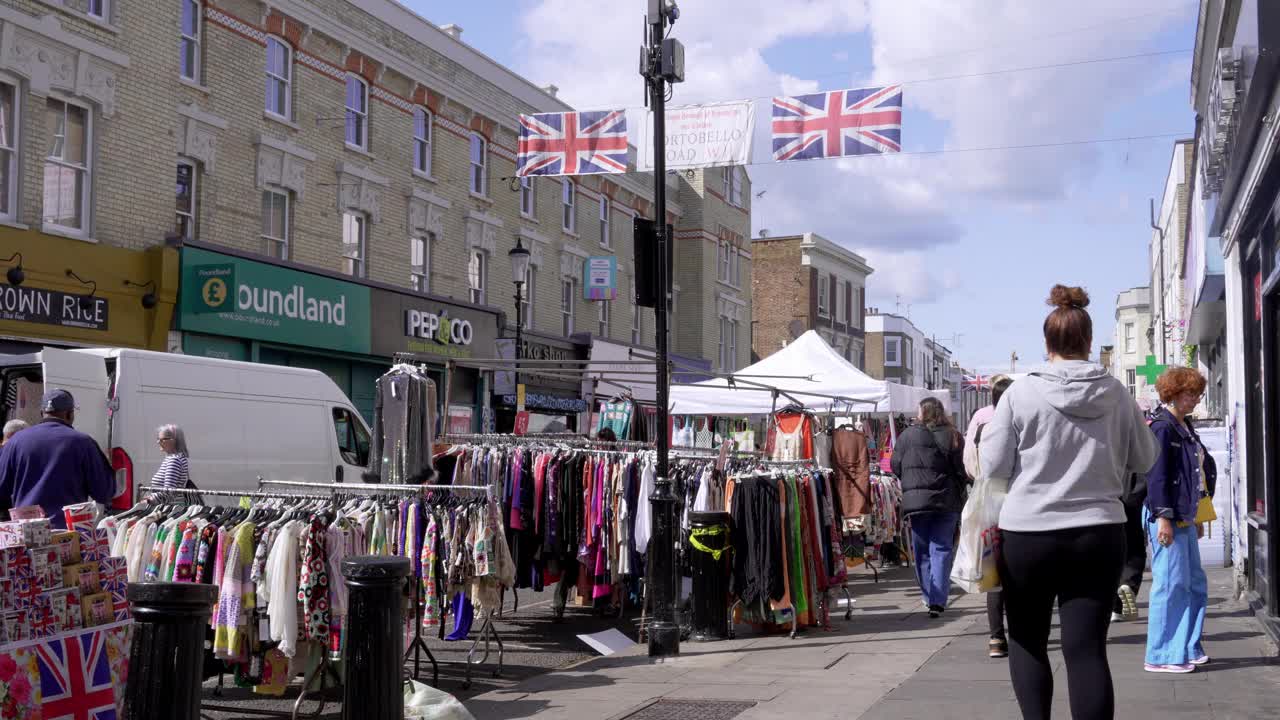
(242,420)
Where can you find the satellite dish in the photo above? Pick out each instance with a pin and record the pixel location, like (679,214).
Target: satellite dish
(796,329)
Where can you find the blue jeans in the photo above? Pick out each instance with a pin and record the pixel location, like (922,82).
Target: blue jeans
(933,538)
(1179,597)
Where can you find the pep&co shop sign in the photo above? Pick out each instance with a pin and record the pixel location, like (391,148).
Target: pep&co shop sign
(404,322)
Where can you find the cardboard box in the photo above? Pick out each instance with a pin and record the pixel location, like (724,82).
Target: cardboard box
(81,516)
(68,545)
(46,568)
(31,533)
(15,626)
(84,577)
(69,604)
(15,562)
(94,545)
(97,609)
(27,512)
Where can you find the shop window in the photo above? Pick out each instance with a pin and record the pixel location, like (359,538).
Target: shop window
(185,200)
(354,241)
(189,45)
(568,292)
(420,262)
(279,78)
(568,200)
(528,198)
(357,113)
(422,129)
(9,180)
(477,276)
(353,439)
(67,168)
(275,222)
(479,165)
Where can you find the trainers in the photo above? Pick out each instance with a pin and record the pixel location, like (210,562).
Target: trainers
(1176,669)
(935,611)
(997,648)
(1117,617)
(1128,602)
(1202,660)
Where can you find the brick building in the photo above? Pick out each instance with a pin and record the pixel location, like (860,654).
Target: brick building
(349,148)
(897,350)
(807,282)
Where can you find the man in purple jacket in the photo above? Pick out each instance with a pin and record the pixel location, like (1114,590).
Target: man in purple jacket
(51,464)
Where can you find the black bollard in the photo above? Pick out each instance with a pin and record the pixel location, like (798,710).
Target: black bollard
(374,650)
(167,655)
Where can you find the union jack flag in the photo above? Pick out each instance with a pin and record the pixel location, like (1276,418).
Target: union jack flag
(867,121)
(572,143)
(75,678)
(976,382)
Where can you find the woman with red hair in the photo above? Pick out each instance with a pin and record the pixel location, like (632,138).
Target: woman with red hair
(1184,472)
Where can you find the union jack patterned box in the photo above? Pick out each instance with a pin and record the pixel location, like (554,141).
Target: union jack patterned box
(94,544)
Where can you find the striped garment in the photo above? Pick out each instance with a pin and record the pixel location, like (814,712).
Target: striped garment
(173,472)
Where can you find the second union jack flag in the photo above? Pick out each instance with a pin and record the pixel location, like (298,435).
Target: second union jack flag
(75,678)
(572,143)
(838,123)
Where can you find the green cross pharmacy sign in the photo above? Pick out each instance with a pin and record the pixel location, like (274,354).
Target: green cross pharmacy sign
(1150,371)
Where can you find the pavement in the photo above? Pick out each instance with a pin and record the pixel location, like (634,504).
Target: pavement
(892,662)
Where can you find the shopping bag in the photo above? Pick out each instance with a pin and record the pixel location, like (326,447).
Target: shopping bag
(974,569)
(1205,513)
(423,702)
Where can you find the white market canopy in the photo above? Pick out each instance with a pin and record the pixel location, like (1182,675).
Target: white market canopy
(808,372)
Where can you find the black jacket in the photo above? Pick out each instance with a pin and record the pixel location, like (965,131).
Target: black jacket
(930,466)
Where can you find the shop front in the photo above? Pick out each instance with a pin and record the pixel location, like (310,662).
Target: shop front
(55,291)
(235,308)
(430,332)
(554,400)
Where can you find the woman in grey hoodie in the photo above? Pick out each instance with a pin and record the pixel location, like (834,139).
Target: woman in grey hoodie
(1066,437)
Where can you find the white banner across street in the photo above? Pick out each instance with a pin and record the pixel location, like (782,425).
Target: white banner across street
(700,136)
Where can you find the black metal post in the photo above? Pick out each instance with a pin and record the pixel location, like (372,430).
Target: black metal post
(167,654)
(374,650)
(664,631)
(519,353)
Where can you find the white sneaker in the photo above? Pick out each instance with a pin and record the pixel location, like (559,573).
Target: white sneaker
(1117,617)
(1202,660)
(1128,601)
(1176,669)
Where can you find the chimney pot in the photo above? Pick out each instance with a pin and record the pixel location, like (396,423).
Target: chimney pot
(551,90)
(453,31)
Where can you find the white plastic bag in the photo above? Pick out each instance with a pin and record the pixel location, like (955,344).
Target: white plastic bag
(974,569)
(423,702)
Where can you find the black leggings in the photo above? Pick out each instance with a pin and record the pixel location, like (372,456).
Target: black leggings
(1080,568)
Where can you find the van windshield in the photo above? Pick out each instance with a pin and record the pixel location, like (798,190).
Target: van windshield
(353,439)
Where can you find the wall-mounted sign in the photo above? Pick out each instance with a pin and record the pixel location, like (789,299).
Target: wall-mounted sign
(52,307)
(402,322)
(438,327)
(601,281)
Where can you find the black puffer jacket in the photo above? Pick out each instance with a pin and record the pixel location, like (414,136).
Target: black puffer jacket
(930,466)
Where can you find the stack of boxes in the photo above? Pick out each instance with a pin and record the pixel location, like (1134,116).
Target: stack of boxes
(56,582)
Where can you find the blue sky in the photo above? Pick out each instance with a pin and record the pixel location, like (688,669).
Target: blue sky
(970,242)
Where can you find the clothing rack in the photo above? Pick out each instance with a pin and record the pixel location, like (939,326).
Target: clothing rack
(487,630)
(324,672)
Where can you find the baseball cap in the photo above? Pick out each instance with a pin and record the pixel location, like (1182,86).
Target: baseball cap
(58,400)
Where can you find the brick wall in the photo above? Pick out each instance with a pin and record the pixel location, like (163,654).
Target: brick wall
(875,355)
(781,289)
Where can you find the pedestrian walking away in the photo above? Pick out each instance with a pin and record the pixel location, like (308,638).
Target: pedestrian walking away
(1183,474)
(51,464)
(929,461)
(998,645)
(1066,437)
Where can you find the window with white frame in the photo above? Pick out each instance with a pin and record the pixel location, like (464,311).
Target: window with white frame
(185,200)
(725,262)
(100,9)
(733,185)
(635,324)
(420,262)
(479,165)
(1131,381)
(279,100)
(526,296)
(1130,338)
(477,276)
(907,354)
(728,344)
(568,202)
(893,351)
(568,293)
(842,314)
(189,45)
(528,200)
(422,128)
(275,222)
(824,301)
(357,113)
(355,228)
(8,149)
(67,168)
(605,312)
(605,240)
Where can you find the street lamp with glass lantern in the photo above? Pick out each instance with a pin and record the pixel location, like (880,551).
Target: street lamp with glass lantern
(519,275)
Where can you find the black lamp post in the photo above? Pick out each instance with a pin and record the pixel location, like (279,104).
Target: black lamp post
(519,275)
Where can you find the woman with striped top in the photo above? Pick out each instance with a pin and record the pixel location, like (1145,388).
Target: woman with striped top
(173,472)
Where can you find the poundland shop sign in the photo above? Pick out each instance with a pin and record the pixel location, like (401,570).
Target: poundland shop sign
(226,295)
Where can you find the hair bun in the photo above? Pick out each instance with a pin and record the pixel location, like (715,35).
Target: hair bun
(1069,297)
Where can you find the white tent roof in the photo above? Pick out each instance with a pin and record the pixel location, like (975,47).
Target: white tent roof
(800,370)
